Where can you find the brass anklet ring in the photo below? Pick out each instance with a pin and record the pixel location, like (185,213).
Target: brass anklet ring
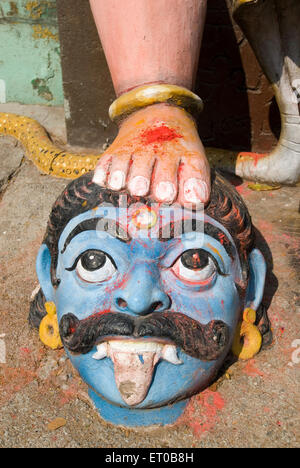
(145,96)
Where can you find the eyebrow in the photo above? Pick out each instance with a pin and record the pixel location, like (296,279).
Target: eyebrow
(176,229)
(98,224)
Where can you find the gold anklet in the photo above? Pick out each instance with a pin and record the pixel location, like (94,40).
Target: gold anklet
(145,96)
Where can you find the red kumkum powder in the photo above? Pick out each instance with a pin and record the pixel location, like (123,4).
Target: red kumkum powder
(159,135)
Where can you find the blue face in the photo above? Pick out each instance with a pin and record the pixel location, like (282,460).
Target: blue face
(127,268)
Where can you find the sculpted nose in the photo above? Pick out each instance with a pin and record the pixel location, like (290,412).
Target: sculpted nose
(142,294)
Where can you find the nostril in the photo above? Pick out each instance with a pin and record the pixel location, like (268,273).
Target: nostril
(157,306)
(121,303)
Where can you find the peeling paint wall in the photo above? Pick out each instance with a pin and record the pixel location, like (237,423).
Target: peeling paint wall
(30,70)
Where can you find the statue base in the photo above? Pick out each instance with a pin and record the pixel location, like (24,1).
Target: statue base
(134,417)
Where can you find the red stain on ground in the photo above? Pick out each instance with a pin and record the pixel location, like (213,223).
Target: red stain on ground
(251,370)
(71,393)
(274,235)
(12,381)
(202,412)
(243,190)
(159,135)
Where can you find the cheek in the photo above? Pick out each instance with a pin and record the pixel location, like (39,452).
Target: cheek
(220,302)
(225,302)
(82,300)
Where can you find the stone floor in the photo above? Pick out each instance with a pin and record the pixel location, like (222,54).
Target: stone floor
(254,404)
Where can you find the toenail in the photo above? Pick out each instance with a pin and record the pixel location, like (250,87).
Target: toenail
(165,191)
(99,176)
(195,191)
(139,186)
(117,180)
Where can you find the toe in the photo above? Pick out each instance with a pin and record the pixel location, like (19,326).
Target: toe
(118,171)
(140,174)
(164,187)
(102,170)
(194,180)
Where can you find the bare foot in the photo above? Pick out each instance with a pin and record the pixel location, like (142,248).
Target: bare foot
(282,166)
(158,152)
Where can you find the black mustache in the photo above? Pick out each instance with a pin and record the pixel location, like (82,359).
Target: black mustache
(205,342)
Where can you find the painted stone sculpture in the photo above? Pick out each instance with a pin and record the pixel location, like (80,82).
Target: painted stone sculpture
(136,59)
(272,28)
(153,62)
(148,298)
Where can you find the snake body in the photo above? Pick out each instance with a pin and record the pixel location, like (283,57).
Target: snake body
(47,157)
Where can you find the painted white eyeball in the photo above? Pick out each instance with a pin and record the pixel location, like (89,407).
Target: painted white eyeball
(95,266)
(195,265)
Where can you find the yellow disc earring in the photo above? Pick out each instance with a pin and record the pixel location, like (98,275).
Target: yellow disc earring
(247,340)
(49,329)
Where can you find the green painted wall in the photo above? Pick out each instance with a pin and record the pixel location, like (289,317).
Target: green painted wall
(30,70)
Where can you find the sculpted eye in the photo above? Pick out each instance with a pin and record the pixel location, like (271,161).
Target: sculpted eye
(195,265)
(95,266)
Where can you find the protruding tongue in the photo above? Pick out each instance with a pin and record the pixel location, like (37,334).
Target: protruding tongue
(133,374)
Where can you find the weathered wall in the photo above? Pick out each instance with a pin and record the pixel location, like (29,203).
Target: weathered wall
(240,109)
(87,84)
(30,70)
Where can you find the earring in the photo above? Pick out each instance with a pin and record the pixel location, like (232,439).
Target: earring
(247,340)
(49,330)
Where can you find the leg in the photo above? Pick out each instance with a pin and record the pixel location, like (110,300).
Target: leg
(147,43)
(271,28)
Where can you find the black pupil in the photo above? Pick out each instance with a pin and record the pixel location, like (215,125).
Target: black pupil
(195,259)
(93,260)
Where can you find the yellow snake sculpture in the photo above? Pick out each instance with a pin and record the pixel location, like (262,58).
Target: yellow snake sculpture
(47,157)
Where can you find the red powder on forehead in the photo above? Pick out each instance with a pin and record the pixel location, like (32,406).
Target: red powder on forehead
(159,135)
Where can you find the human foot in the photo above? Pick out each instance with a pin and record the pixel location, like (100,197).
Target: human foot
(157,151)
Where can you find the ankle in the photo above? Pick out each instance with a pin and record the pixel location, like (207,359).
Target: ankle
(165,114)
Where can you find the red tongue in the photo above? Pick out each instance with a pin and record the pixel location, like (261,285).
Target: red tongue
(133,374)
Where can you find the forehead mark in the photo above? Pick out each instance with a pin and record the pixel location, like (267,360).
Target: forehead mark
(144,218)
